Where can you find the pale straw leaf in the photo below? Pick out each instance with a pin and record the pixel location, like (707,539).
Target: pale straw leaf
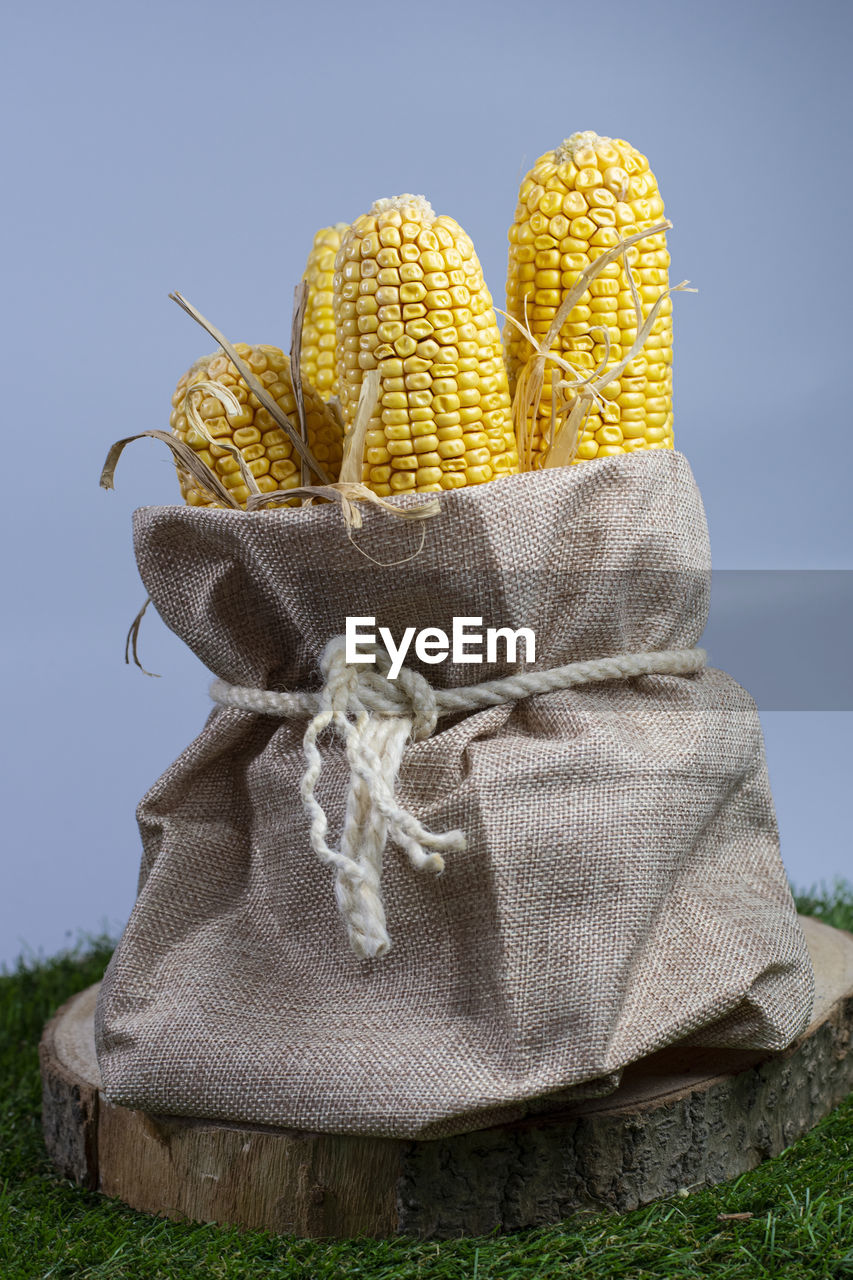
(344,493)
(185,457)
(353,457)
(132,641)
(229,402)
(300,302)
(575,396)
(256,386)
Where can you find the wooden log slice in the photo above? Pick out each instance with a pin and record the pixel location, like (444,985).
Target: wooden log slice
(681,1118)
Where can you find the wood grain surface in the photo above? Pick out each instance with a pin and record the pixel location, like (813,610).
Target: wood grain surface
(681,1118)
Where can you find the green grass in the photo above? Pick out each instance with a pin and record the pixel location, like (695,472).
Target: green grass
(801,1202)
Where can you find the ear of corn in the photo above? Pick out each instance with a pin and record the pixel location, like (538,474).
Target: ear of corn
(574,204)
(318,330)
(410,301)
(266,449)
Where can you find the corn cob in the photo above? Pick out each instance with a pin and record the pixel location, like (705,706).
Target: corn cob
(574,204)
(317,354)
(267,450)
(410,301)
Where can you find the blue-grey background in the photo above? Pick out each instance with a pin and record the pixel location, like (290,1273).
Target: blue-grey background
(199,146)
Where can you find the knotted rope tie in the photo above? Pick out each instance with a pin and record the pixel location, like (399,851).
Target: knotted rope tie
(376,717)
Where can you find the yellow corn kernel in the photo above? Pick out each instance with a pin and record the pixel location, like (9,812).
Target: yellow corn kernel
(267,450)
(317,353)
(436,345)
(583,197)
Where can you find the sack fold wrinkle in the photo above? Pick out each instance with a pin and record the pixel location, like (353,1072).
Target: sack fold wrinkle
(374,739)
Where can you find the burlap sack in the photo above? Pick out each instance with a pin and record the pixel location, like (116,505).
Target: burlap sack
(621,889)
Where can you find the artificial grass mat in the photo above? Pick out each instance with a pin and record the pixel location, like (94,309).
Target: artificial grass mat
(800,1202)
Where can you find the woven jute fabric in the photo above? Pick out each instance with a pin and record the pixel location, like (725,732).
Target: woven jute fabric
(621,889)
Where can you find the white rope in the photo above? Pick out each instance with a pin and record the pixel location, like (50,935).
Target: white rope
(376,717)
